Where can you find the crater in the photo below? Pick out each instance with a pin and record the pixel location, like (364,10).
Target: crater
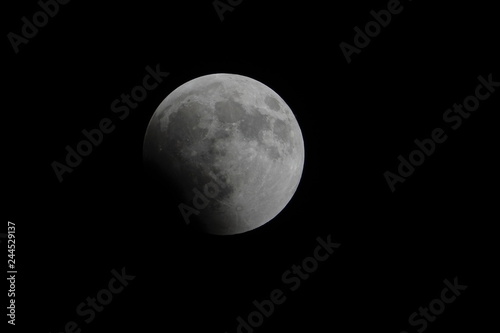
(251,126)
(281,130)
(273,152)
(229,111)
(272,103)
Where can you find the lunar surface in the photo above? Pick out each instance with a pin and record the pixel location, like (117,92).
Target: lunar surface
(233,149)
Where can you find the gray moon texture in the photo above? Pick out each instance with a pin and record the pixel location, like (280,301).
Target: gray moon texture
(231,146)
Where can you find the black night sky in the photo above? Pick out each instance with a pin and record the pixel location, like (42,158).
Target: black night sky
(359,120)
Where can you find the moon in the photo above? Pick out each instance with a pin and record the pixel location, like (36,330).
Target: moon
(231,146)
